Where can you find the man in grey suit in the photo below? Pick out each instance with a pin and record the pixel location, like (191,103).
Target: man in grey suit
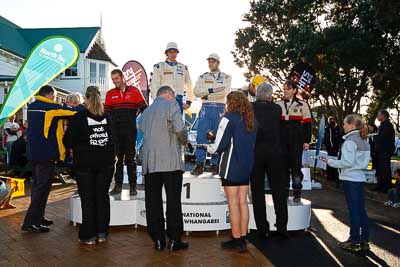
(164,136)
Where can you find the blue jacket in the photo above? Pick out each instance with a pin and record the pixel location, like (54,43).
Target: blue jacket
(236,147)
(45,131)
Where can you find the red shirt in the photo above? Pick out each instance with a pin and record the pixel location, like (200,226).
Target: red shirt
(131,98)
(124,107)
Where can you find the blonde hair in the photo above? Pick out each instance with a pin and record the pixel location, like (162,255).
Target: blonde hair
(357,121)
(93,103)
(73,98)
(80,97)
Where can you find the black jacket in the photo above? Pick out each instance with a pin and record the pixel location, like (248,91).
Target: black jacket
(268,124)
(18,153)
(332,139)
(90,138)
(384,141)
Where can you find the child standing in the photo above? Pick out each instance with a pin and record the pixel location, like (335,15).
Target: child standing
(394,193)
(354,158)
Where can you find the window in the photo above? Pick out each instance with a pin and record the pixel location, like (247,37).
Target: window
(92,71)
(102,75)
(72,71)
(102,71)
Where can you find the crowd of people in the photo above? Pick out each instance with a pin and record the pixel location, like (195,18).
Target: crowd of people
(254,137)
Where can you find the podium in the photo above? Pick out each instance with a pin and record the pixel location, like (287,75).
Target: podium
(204,207)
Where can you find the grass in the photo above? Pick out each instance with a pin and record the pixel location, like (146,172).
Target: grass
(396,158)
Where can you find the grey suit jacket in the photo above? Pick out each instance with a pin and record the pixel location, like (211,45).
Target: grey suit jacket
(164,135)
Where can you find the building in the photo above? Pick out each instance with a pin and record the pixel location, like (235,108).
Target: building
(92,68)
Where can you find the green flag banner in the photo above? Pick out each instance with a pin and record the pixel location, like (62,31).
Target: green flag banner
(46,61)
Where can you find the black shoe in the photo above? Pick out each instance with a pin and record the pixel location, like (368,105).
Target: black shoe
(234,244)
(132,190)
(365,245)
(263,235)
(159,244)
(102,237)
(35,228)
(243,242)
(89,241)
(116,190)
(214,169)
(47,222)
(350,246)
(198,170)
(297,199)
(177,245)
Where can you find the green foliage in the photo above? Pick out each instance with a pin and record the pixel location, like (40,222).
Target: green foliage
(352,44)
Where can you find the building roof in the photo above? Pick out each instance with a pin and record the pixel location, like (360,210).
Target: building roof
(20,41)
(96,52)
(6,78)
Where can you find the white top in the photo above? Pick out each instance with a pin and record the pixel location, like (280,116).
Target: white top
(207,82)
(355,156)
(173,74)
(14,127)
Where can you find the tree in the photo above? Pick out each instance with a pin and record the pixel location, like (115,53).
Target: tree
(386,80)
(339,38)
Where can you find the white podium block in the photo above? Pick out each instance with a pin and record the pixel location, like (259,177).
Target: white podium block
(307,185)
(299,215)
(204,208)
(202,189)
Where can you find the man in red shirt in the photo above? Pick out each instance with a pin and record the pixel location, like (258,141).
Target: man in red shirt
(124,103)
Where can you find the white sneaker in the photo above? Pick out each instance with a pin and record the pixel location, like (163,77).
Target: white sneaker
(396,205)
(388,203)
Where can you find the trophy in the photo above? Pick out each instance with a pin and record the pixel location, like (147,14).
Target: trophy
(210,138)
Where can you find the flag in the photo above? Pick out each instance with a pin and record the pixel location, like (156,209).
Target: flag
(46,61)
(135,75)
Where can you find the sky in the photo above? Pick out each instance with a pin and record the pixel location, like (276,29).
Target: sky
(140,30)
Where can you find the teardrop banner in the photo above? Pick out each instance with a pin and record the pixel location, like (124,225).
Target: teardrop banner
(46,61)
(304,75)
(320,139)
(135,75)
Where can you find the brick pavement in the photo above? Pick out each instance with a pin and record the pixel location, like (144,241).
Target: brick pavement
(126,246)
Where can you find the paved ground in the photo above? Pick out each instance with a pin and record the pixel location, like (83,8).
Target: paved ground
(329,224)
(130,247)
(126,246)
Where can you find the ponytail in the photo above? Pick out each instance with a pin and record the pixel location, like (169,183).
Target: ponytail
(357,121)
(364,131)
(93,103)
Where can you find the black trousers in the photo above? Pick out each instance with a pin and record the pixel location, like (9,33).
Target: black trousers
(125,151)
(332,173)
(272,165)
(42,175)
(172,182)
(93,186)
(383,170)
(292,144)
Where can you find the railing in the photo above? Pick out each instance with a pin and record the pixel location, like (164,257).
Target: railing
(100,82)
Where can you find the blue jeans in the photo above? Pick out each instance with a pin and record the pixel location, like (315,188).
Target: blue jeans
(179,99)
(209,117)
(9,148)
(355,198)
